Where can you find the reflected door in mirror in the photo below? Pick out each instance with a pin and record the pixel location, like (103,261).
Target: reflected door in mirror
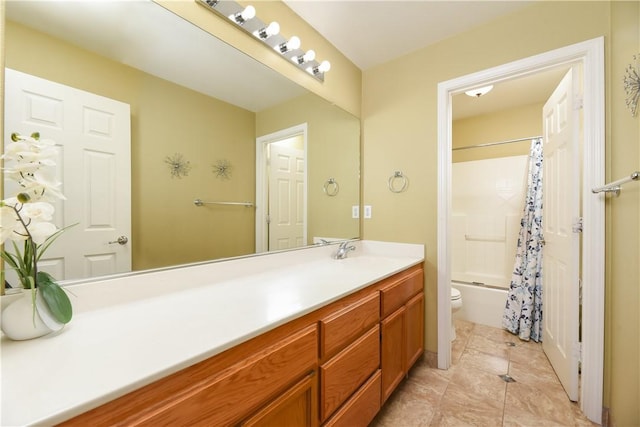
(92,134)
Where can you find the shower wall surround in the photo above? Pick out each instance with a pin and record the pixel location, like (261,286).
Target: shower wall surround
(487,200)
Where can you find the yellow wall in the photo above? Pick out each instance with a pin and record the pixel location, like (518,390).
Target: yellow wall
(211,130)
(399,114)
(622,287)
(333,154)
(504,125)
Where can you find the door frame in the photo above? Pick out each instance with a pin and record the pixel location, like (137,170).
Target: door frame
(262,181)
(590,54)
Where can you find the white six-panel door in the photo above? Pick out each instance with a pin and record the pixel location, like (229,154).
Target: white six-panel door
(561,128)
(286,197)
(94,165)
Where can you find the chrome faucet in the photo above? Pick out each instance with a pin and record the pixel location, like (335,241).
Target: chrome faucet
(343,250)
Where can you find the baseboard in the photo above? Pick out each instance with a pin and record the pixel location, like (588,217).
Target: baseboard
(607,420)
(431,359)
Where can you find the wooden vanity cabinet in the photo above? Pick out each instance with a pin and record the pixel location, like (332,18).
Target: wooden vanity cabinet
(277,375)
(334,366)
(402,327)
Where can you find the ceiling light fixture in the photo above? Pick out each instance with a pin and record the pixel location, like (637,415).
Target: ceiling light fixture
(478,92)
(268,31)
(288,48)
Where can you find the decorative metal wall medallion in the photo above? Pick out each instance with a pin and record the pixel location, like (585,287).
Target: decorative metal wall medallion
(178,165)
(632,84)
(222,169)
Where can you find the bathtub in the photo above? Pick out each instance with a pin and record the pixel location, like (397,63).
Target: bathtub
(481,304)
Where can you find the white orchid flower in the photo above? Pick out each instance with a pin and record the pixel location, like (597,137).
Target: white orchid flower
(41,230)
(12,149)
(41,190)
(38,211)
(8,223)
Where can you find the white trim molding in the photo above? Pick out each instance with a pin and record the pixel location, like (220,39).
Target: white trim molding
(590,54)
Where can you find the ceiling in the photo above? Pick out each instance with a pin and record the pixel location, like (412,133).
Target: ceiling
(372,32)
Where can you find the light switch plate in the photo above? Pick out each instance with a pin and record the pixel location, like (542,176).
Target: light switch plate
(355,211)
(367,211)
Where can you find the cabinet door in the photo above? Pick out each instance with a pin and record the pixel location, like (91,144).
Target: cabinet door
(392,354)
(297,407)
(414,327)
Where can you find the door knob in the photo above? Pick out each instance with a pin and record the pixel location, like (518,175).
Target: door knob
(122,240)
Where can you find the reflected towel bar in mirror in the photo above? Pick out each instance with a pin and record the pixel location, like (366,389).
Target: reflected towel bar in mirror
(398,182)
(614,187)
(199,203)
(331,187)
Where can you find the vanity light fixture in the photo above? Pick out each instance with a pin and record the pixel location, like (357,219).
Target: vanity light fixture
(288,48)
(320,69)
(310,55)
(478,92)
(240,18)
(268,31)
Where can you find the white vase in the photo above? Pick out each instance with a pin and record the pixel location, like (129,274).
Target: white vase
(19,323)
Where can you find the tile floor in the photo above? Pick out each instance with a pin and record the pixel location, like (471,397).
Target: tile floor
(471,393)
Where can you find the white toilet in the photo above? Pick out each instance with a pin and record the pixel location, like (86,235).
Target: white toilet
(456,304)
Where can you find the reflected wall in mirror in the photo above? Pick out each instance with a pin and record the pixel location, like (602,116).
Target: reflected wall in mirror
(190,94)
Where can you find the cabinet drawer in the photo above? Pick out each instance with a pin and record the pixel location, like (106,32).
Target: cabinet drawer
(241,388)
(296,407)
(400,290)
(344,326)
(363,406)
(344,373)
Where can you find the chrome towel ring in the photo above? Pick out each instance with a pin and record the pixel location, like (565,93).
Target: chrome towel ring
(398,182)
(331,187)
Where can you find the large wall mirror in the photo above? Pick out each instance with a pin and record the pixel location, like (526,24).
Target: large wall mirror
(198,109)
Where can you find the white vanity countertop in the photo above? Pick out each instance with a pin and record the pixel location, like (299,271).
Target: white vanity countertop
(131,331)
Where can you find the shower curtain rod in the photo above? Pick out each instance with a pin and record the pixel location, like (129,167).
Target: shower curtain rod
(489,144)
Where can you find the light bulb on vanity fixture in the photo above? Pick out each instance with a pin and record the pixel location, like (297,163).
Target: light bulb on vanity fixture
(478,92)
(320,69)
(310,55)
(292,44)
(268,31)
(247,20)
(240,18)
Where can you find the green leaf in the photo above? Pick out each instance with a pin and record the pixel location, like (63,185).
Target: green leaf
(55,298)
(41,248)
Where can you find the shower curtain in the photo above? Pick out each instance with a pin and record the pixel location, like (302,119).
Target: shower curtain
(523,311)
